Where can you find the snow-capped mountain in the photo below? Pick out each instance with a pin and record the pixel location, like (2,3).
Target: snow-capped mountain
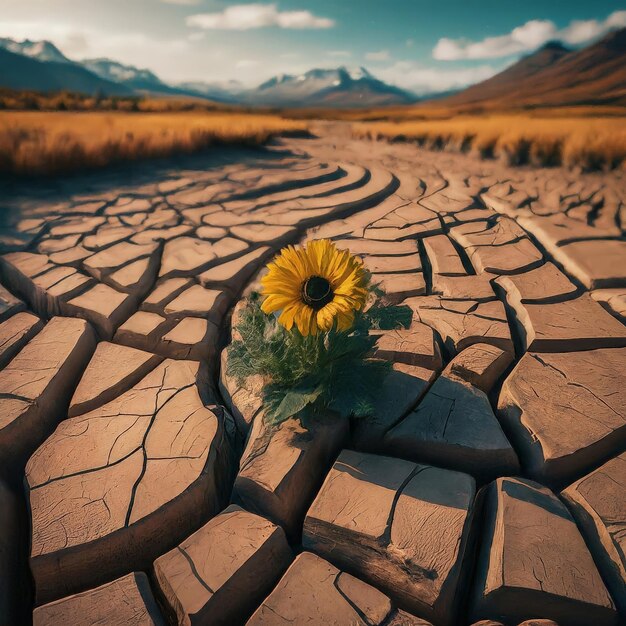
(22,72)
(39,50)
(340,86)
(335,87)
(112,70)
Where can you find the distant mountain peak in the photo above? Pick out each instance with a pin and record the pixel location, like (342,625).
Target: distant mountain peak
(615,39)
(338,86)
(40,50)
(356,73)
(120,72)
(555,45)
(280,79)
(547,54)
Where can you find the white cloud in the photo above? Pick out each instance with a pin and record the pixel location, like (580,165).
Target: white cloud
(339,54)
(173,60)
(526,38)
(248,16)
(617,19)
(246,63)
(128,47)
(166,57)
(76,43)
(424,80)
(580,31)
(381,55)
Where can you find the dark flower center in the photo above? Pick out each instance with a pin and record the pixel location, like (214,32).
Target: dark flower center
(317,292)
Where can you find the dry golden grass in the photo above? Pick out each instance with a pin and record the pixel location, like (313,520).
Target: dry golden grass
(53,142)
(591,143)
(431,110)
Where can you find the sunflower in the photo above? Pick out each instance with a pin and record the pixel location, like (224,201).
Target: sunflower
(315,286)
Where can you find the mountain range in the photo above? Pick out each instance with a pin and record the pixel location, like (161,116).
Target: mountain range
(553,75)
(340,87)
(39,50)
(41,66)
(23,72)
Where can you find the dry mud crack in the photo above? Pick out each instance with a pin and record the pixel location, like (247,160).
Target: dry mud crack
(139,485)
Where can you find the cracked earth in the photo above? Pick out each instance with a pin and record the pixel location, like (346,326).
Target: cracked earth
(140,485)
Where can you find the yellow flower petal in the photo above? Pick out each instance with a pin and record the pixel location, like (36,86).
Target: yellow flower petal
(345,319)
(326,316)
(285,284)
(288,315)
(304,320)
(275,302)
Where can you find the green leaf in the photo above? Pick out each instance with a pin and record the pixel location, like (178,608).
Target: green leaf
(293,402)
(329,370)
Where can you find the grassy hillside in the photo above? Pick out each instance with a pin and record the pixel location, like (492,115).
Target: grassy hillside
(554,76)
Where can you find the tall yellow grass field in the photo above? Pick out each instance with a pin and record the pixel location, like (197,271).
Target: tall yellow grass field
(57,142)
(591,143)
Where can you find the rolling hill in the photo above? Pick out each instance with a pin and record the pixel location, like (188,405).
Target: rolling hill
(556,76)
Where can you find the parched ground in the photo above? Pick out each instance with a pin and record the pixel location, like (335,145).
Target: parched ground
(140,485)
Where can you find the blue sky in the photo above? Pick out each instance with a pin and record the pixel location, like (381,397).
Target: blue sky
(418,44)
